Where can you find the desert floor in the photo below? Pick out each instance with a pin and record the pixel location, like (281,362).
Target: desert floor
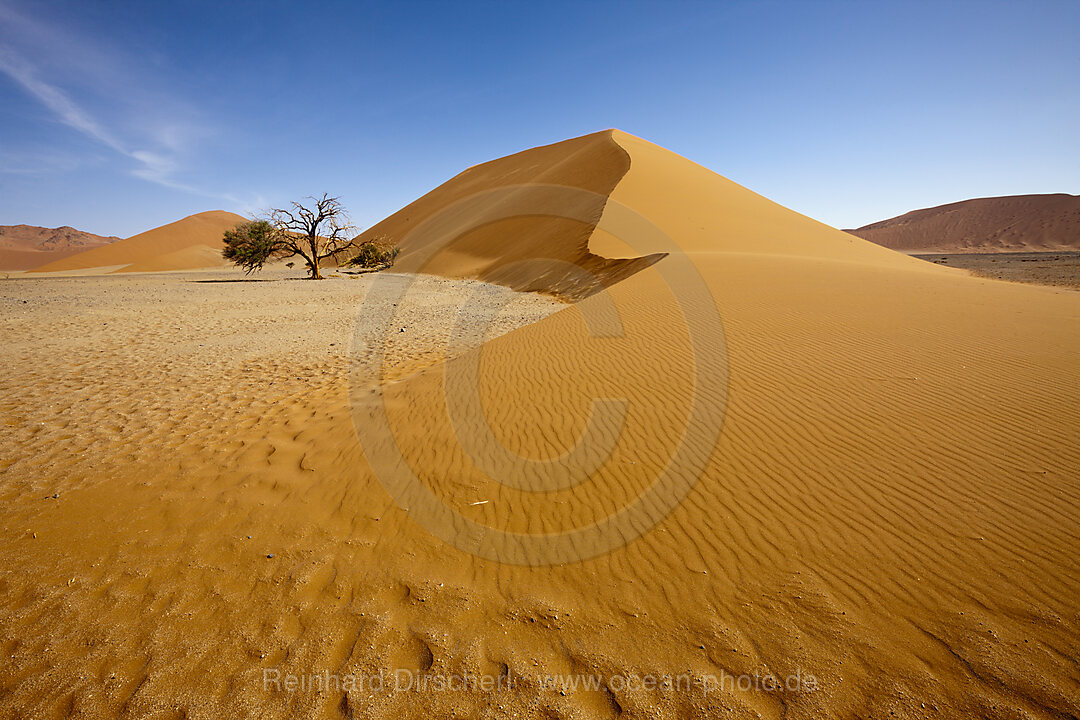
(120,396)
(1061,269)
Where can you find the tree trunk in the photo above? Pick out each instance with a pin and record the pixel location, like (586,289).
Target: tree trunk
(314,264)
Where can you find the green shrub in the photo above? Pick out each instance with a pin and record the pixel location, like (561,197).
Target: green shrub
(251,244)
(374,255)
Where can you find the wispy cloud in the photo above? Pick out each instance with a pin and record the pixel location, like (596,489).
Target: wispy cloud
(154,143)
(19,70)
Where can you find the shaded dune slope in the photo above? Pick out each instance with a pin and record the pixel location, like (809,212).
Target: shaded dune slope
(169,247)
(1015,223)
(473,225)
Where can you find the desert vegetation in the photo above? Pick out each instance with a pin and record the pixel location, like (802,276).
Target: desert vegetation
(377,254)
(315,232)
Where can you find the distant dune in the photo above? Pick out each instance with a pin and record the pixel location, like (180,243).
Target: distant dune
(23,247)
(177,246)
(1015,223)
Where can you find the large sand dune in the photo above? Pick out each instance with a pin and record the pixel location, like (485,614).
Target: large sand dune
(865,473)
(176,246)
(1015,223)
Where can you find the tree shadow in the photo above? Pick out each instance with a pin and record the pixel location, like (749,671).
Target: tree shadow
(254,280)
(241,280)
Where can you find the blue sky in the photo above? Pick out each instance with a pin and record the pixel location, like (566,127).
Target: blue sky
(116,117)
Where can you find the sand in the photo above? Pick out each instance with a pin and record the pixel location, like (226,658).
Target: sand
(1014,223)
(865,475)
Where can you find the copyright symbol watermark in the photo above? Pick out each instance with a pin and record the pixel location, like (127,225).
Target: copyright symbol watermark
(702,363)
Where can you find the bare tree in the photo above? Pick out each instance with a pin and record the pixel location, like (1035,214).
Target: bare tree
(314,233)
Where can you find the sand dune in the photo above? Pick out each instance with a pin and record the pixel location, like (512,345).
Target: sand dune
(23,247)
(170,247)
(1017,223)
(482,209)
(471,209)
(804,456)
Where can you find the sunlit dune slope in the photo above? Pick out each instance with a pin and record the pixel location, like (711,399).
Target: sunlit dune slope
(163,248)
(703,212)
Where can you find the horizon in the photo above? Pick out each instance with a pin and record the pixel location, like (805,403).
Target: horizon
(136,116)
